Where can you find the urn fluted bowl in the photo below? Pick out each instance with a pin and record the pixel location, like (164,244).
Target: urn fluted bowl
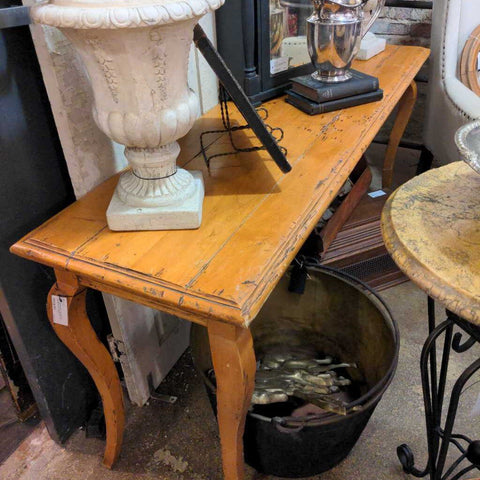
(136,55)
(467,140)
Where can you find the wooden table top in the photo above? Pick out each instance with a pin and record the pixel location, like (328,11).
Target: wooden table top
(255,218)
(431,227)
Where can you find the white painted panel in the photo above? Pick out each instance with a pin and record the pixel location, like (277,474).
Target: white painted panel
(149,344)
(90,154)
(207,80)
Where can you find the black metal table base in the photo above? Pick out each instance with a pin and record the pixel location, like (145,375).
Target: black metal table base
(439,437)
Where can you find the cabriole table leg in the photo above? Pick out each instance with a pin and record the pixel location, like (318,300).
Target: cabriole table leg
(234,363)
(83,342)
(405,109)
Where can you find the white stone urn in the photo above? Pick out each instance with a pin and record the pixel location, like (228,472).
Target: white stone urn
(136,55)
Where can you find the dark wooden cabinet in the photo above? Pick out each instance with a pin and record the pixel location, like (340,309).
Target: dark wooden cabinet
(245,40)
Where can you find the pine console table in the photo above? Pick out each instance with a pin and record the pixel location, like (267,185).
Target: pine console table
(254,221)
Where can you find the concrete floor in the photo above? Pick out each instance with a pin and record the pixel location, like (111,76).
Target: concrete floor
(12,432)
(180,441)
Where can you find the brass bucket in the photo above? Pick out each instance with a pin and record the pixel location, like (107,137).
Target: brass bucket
(336,315)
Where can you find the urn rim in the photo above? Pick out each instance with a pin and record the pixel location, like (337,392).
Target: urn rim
(107,14)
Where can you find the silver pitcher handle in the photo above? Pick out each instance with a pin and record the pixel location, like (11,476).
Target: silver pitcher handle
(375,14)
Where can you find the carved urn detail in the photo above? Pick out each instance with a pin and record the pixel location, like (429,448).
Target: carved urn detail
(136,55)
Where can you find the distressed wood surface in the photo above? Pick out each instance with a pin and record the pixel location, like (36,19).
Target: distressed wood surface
(83,342)
(431,227)
(255,218)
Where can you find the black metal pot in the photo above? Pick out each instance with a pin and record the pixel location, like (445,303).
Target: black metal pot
(341,317)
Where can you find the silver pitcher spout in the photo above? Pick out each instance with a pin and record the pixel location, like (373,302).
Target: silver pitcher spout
(334,32)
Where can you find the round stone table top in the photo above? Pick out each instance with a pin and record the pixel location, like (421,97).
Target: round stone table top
(431,228)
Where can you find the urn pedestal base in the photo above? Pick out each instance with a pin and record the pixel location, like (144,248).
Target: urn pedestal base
(184,215)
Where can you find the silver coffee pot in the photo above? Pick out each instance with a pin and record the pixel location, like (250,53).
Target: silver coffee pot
(334,32)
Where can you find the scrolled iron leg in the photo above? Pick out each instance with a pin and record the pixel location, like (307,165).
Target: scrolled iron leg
(407,459)
(473,450)
(431,388)
(440,439)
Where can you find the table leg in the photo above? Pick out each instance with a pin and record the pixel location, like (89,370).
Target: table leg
(234,363)
(405,109)
(82,341)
